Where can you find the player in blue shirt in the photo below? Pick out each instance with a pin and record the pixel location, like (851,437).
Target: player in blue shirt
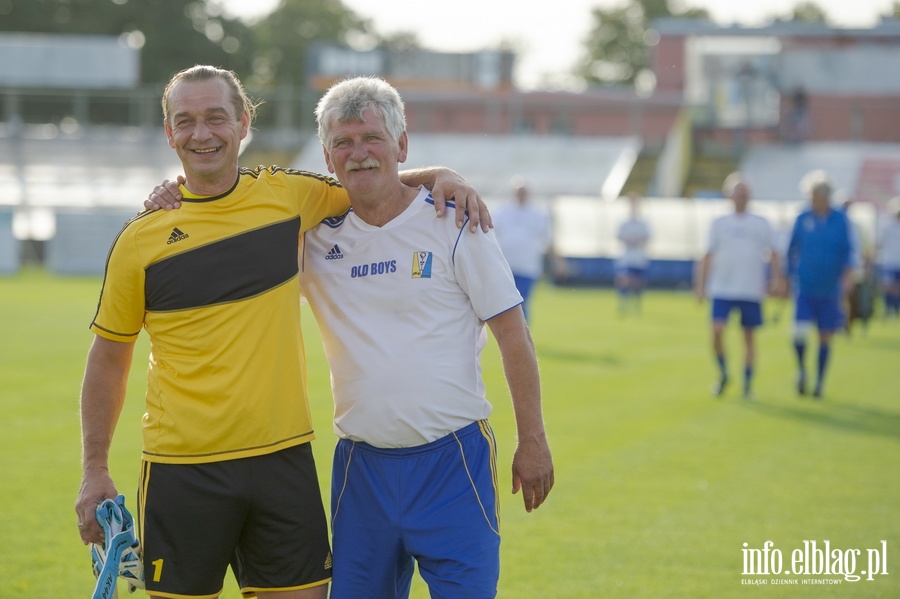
(819,266)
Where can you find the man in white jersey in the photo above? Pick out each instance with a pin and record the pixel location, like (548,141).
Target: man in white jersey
(733,274)
(631,267)
(888,258)
(525,235)
(401,299)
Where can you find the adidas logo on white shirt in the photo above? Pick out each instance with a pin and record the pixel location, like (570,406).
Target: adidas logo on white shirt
(334,253)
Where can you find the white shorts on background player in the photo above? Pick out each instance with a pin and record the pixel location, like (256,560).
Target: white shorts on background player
(739,244)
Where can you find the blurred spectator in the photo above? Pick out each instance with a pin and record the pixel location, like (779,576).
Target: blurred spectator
(797,120)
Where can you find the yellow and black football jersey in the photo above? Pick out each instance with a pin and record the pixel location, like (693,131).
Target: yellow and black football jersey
(215,286)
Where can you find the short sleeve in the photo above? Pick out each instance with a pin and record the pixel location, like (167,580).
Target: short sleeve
(120,311)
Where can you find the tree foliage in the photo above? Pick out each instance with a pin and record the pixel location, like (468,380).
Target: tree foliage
(805,12)
(616,50)
(809,12)
(284,36)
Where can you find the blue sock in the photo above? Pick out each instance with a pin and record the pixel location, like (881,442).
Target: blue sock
(723,370)
(824,351)
(748,377)
(800,349)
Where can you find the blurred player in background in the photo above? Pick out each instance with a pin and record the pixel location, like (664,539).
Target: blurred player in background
(888,259)
(733,274)
(631,266)
(819,265)
(860,299)
(525,235)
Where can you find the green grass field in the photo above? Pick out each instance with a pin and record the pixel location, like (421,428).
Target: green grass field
(658,485)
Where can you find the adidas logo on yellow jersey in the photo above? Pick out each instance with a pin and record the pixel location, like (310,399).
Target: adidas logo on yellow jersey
(177,235)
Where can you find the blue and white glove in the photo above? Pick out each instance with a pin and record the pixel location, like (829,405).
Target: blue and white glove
(120,554)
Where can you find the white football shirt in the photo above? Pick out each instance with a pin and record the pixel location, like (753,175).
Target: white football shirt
(524,234)
(740,245)
(889,244)
(401,309)
(634,234)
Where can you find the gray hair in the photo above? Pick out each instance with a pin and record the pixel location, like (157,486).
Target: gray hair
(822,187)
(346,101)
(816,182)
(733,180)
(239,98)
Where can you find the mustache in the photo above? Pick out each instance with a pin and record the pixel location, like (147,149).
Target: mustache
(352,165)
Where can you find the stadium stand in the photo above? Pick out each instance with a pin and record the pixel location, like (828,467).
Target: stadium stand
(552,165)
(93,180)
(739,87)
(776,169)
(878,179)
(580,180)
(101,167)
(82,239)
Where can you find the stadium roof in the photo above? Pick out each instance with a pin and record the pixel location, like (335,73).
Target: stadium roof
(887,27)
(30,60)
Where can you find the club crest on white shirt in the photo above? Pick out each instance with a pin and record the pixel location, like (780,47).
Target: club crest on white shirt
(421,266)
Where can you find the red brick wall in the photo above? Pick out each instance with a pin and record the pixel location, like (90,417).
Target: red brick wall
(849,118)
(544,113)
(667,61)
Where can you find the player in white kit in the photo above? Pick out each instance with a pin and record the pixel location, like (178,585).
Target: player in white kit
(524,232)
(733,273)
(888,259)
(402,299)
(631,266)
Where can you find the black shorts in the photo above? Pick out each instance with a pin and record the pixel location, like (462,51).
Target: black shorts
(263,515)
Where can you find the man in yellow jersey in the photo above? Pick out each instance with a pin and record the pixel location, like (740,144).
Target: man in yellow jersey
(227,471)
